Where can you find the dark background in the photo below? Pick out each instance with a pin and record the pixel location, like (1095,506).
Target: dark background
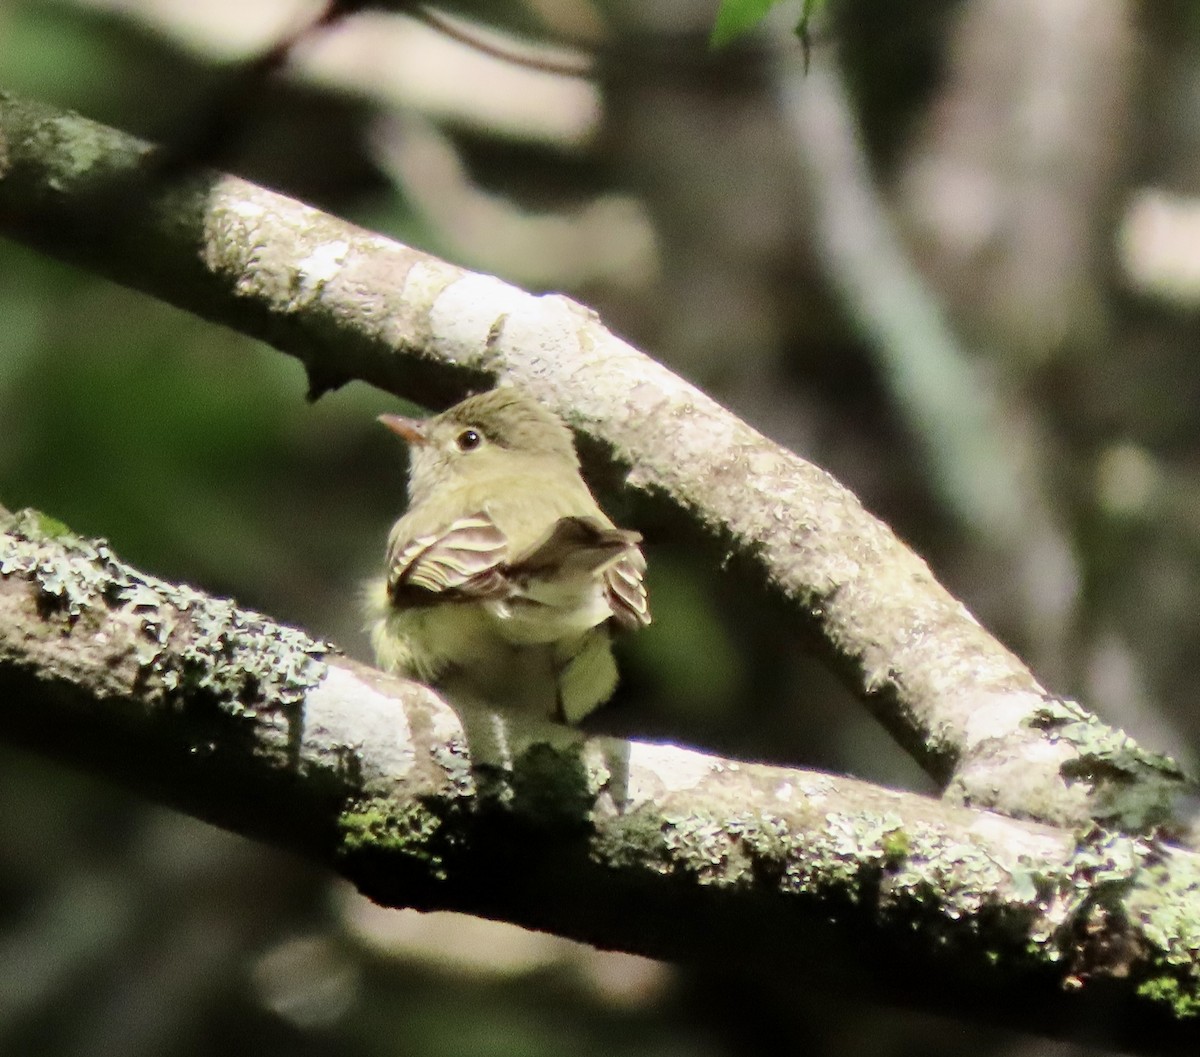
(994,346)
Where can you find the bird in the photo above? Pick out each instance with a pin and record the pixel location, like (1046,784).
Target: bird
(504,579)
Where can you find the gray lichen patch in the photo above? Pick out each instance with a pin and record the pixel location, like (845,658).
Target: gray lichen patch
(713,850)
(891,870)
(68,573)
(1134,789)
(1162,905)
(724,851)
(189,648)
(1125,910)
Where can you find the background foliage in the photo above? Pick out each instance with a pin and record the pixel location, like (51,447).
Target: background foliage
(1034,161)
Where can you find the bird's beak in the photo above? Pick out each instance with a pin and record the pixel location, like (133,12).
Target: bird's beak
(411,430)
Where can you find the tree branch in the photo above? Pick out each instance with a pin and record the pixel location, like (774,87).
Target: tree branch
(352,304)
(221,712)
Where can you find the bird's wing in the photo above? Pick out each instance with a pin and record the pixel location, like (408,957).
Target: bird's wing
(625,588)
(574,546)
(583,546)
(462,562)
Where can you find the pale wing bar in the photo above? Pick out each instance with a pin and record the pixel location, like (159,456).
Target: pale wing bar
(466,560)
(625,588)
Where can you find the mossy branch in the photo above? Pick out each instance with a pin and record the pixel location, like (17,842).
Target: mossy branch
(223,713)
(352,304)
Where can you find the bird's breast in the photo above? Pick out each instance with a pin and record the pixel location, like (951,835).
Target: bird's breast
(544,611)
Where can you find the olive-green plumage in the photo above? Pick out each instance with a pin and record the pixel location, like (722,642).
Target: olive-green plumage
(504,576)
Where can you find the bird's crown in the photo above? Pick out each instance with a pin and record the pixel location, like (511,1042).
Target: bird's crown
(510,418)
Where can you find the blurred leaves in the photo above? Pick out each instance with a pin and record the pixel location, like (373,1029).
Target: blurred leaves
(192,449)
(736,18)
(687,651)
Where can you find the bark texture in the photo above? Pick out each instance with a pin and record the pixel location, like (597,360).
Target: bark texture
(352,304)
(221,712)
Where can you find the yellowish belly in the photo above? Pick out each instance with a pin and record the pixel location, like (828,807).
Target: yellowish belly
(529,659)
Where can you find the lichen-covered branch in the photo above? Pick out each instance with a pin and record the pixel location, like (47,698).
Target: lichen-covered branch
(650,848)
(350,303)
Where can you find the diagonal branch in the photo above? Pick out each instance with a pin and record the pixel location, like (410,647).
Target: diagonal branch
(352,304)
(221,712)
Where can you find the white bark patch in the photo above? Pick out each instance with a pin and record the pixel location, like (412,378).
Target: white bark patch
(242,206)
(463,314)
(817,788)
(542,332)
(344,706)
(1022,839)
(996,716)
(658,769)
(323,264)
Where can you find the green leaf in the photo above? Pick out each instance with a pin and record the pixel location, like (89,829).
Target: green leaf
(736,18)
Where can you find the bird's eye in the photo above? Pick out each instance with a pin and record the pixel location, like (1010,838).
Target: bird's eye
(468,440)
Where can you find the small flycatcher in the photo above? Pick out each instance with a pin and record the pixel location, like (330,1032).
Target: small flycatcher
(504,577)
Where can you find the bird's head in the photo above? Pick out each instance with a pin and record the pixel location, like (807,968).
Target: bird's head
(489,434)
